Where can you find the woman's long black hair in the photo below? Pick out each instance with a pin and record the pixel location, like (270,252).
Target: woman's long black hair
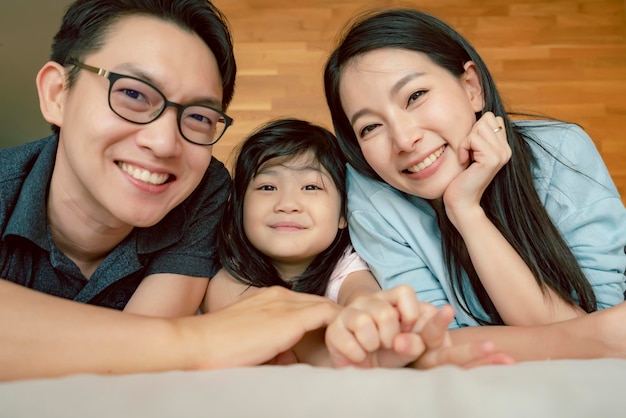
(280,141)
(510,202)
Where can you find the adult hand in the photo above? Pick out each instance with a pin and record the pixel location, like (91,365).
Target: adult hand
(257,329)
(487,151)
(440,350)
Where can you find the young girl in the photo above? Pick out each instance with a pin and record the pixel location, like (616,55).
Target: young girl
(515,223)
(284,225)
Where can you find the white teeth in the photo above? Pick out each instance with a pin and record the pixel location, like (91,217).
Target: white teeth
(144,175)
(427,161)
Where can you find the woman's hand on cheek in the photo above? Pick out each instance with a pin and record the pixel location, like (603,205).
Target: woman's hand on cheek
(486,150)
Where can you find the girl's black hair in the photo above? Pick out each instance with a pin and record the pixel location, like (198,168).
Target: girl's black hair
(281,141)
(510,202)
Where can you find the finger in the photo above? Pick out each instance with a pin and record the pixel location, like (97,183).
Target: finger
(277,319)
(491,360)
(406,349)
(407,306)
(473,354)
(387,322)
(435,330)
(362,327)
(342,345)
(366,332)
(465,150)
(427,312)
(310,312)
(489,125)
(382,310)
(409,346)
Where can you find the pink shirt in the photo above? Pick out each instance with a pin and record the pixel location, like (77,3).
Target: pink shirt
(349,263)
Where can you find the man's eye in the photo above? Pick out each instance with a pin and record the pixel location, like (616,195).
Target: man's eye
(133,94)
(202,119)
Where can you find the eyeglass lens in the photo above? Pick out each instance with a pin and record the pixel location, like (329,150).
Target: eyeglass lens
(138,102)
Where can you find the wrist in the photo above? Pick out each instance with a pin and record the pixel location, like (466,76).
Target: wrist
(467,217)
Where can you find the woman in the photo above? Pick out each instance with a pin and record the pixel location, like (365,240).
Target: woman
(513,223)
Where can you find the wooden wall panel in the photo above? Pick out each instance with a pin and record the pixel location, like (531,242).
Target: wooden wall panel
(563,58)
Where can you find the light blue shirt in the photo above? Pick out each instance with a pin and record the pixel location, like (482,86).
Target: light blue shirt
(398,236)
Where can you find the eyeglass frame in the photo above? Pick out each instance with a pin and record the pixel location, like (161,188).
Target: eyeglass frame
(113,77)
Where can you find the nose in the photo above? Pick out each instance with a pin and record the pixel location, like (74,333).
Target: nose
(287,202)
(161,135)
(405,133)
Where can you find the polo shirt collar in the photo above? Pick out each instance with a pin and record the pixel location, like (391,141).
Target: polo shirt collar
(30,220)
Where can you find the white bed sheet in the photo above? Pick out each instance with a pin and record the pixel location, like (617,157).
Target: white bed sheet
(564,388)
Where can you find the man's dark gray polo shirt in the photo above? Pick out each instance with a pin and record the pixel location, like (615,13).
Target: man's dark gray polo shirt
(182,243)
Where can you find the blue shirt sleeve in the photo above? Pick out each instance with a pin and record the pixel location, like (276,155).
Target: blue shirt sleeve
(583,202)
(400,242)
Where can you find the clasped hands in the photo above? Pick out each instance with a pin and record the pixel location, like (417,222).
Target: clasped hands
(392,328)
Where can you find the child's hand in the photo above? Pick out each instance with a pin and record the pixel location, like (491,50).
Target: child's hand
(377,330)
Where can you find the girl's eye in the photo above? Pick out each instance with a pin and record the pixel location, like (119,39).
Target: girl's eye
(267,187)
(366,130)
(415,96)
(311,187)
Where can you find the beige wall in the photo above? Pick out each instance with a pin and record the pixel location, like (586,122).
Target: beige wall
(26,31)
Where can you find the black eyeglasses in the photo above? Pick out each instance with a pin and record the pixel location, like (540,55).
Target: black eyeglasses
(139,102)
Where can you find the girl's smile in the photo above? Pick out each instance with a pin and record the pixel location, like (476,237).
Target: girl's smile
(292,210)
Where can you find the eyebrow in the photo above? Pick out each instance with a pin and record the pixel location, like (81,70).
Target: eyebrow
(139,73)
(394,90)
(271,170)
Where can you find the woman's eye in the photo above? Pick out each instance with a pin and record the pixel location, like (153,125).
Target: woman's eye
(366,130)
(416,96)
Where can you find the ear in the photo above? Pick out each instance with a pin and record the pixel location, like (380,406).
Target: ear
(471,82)
(51,90)
(342,223)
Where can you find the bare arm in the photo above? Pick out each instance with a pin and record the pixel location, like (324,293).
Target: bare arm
(600,334)
(46,336)
(507,279)
(168,295)
(504,274)
(356,284)
(224,290)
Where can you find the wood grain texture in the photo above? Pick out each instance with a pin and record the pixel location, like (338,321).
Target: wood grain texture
(566,59)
